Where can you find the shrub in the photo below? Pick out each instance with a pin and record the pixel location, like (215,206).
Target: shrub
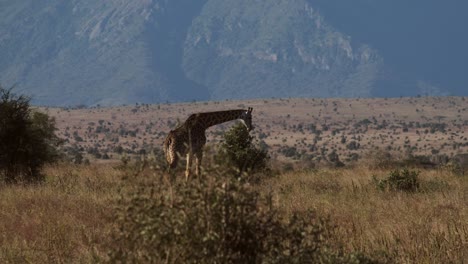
(353,145)
(334,159)
(399,180)
(27,139)
(290,152)
(223,221)
(239,152)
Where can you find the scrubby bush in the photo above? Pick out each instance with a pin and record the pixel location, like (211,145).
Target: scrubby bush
(399,180)
(238,151)
(218,221)
(353,145)
(27,139)
(334,159)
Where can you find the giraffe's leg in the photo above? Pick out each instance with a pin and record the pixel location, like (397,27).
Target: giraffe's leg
(198,161)
(189,165)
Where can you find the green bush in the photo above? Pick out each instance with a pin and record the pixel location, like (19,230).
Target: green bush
(221,221)
(27,139)
(238,151)
(399,180)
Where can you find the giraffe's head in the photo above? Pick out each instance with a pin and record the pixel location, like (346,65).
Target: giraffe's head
(246,118)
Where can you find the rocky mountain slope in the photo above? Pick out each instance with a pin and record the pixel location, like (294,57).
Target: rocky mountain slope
(285,50)
(120,52)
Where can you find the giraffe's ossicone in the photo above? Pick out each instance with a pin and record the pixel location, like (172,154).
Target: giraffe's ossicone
(189,138)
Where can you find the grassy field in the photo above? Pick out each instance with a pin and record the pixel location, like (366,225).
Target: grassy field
(70,218)
(66,219)
(429,226)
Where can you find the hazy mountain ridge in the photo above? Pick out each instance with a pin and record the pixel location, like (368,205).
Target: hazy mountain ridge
(89,52)
(116,52)
(423,42)
(288,47)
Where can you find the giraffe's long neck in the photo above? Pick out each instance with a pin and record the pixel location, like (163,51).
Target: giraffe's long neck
(214,118)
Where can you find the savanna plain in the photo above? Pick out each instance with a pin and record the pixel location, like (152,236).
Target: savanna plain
(387,176)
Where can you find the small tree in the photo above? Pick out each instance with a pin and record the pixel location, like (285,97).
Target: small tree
(238,151)
(399,180)
(27,139)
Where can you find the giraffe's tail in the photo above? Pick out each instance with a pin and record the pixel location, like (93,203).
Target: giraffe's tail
(169,150)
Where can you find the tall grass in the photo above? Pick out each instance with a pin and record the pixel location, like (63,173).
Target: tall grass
(429,226)
(66,219)
(70,217)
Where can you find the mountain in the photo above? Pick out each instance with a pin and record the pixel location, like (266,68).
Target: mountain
(82,52)
(93,52)
(262,48)
(423,42)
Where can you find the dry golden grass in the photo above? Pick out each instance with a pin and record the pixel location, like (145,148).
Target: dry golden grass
(66,219)
(430,226)
(69,218)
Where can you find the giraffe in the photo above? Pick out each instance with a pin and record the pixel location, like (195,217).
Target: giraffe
(189,138)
